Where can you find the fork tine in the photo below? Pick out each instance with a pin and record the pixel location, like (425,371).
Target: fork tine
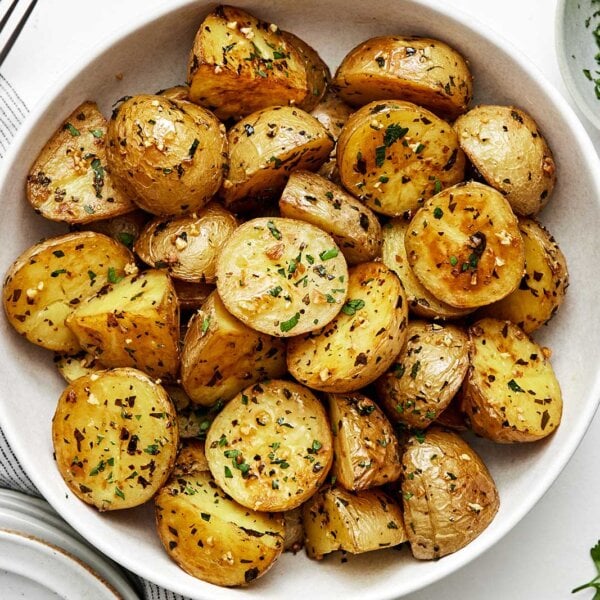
(9,12)
(17,30)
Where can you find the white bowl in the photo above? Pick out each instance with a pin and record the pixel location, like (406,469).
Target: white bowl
(151,54)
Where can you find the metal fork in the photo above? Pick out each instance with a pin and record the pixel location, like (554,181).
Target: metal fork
(12,28)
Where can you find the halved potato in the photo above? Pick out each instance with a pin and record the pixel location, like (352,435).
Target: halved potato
(465,247)
(69,180)
(422,70)
(394,155)
(282,276)
(74,366)
(115,438)
(312,198)
(270,448)
(124,229)
(50,279)
(510,393)
(361,342)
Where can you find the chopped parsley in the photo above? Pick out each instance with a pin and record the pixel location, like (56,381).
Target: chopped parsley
(112,275)
(329,254)
(514,386)
(205,325)
(351,306)
(438,213)
(274,231)
(193,148)
(72,130)
(290,323)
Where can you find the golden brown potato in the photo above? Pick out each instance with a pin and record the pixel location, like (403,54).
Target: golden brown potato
(187,246)
(465,247)
(221,356)
(240,64)
(74,366)
(394,155)
(168,155)
(124,228)
(361,342)
(69,180)
(192,296)
(366,451)
(425,71)
(181,93)
(270,448)
(312,198)
(115,438)
(212,537)
(451,417)
(510,393)
(507,148)
(426,374)
(294,530)
(50,279)
(543,286)
(281,276)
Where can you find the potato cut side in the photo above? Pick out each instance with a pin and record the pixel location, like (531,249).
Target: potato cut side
(510,393)
(50,279)
(240,64)
(426,374)
(355,228)
(465,246)
(115,438)
(125,229)
(394,155)
(448,494)
(270,448)
(282,276)
(366,451)
(266,146)
(543,286)
(187,246)
(361,342)
(74,366)
(212,537)
(69,180)
(222,356)
(133,323)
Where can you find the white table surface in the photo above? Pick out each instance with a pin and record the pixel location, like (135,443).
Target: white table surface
(548,553)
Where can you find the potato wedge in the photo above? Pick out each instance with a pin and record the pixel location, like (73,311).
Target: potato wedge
(50,279)
(221,356)
(281,276)
(355,229)
(115,438)
(361,342)
(510,393)
(422,70)
(366,451)
(69,180)
(266,146)
(132,323)
(426,375)
(212,537)
(74,366)
(187,246)
(270,448)
(394,155)
(465,247)
(240,64)
(449,496)
(192,296)
(124,229)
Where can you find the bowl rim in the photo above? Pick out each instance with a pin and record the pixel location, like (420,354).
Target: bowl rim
(479,546)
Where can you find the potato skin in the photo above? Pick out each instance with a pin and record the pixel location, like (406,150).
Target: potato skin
(168,155)
(449,496)
(425,71)
(125,229)
(332,112)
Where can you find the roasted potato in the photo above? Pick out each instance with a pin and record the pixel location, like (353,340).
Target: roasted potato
(452,417)
(426,374)
(465,247)
(448,494)
(221,356)
(394,155)
(191,458)
(168,155)
(281,276)
(74,366)
(181,93)
(50,279)
(270,448)
(115,438)
(187,246)
(69,180)
(134,322)
(543,286)
(361,342)
(510,393)
(294,530)
(240,64)
(506,147)
(312,198)
(332,112)
(365,448)
(192,296)
(124,228)
(212,537)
